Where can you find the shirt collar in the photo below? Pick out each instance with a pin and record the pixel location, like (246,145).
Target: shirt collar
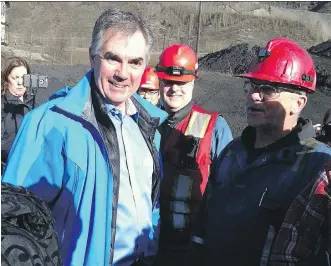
(131,109)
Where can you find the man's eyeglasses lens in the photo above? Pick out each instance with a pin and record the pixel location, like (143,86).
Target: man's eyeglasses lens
(265,91)
(147,92)
(172,82)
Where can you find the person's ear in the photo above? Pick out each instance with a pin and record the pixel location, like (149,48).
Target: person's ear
(299,103)
(91,57)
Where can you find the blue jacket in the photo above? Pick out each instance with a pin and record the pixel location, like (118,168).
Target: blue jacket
(59,155)
(248,194)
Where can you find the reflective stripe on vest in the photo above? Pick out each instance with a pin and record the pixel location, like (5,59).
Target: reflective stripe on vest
(198,125)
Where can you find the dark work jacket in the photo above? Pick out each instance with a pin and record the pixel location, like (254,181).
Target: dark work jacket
(248,194)
(12,113)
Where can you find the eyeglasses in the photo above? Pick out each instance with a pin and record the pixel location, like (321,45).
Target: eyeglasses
(267,92)
(147,92)
(169,83)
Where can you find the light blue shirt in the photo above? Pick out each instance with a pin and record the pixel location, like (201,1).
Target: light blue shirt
(134,212)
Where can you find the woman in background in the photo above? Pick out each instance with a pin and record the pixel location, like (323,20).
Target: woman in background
(15,102)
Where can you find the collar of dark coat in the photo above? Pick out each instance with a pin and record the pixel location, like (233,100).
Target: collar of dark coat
(175,118)
(14,100)
(302,131)
(12,104)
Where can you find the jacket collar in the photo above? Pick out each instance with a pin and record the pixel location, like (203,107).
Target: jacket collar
(12,99)
(302,131)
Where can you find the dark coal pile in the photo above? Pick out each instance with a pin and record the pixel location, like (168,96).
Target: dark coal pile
(322,57)
(323,69)
(233,60)
(322,49)
(236,60)
(320,6)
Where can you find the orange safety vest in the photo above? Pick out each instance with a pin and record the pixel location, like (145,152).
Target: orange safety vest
(186,164)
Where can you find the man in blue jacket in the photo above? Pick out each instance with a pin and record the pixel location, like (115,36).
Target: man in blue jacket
(191,138)
(91,152)
(257,176)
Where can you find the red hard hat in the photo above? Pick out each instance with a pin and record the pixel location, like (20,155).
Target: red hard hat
(284,61)
(178,62)
(149,78)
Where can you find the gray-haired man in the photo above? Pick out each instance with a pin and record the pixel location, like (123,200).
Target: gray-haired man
(91,152)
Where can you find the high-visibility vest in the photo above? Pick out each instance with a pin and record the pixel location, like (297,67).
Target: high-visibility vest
(186,163)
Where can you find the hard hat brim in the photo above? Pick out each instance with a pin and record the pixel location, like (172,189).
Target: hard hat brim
(259,76)
(268,78)
(183,78)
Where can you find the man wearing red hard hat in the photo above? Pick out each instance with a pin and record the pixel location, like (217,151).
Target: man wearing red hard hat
(149,86)
(191,138)
(257,176)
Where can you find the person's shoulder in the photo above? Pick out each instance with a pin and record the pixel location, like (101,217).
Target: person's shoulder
(234,146)
(316,145)
(60,93)
(42,114)
(150,108)
(221,126)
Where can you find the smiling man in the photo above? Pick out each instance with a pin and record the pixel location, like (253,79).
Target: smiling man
(257,176)
(192,138)
(78,152)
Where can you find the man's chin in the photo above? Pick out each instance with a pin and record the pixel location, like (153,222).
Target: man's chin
(117,98)
(255,123)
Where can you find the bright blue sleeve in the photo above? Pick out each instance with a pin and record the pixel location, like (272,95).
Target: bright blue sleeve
(221,137)
(35,159)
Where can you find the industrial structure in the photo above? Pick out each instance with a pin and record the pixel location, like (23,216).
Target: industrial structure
(4,24)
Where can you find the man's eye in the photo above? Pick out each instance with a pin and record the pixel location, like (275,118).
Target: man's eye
(110,57)
(137,62)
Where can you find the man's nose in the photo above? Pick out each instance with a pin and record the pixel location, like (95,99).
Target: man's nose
(122,71)
(175,87)
(255,96)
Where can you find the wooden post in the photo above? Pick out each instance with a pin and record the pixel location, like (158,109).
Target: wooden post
(164,38)
(199,25)
(189,30)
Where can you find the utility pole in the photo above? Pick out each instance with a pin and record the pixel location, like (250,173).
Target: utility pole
(198,35)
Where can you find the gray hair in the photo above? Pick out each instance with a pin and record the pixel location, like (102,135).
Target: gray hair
(121,22)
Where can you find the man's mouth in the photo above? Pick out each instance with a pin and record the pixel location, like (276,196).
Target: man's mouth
(255,109)
(117,85)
